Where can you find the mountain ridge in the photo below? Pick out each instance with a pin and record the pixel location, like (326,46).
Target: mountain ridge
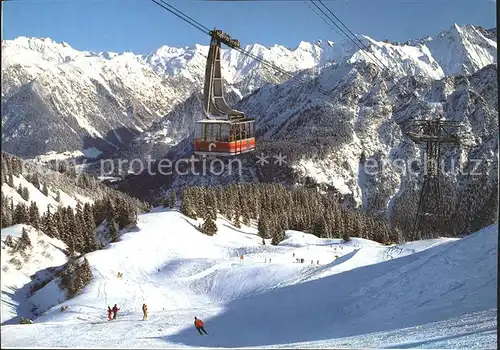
(123,95)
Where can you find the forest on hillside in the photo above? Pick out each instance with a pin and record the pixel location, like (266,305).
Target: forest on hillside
(75,226)
(276,209)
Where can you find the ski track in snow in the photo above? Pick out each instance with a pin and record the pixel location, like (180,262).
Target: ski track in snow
(438,293)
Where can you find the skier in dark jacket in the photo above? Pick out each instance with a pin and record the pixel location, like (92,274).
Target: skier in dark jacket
(199,326)
(115,311)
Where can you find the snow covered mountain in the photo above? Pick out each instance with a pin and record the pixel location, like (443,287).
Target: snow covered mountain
(82,100)
(358,294)
(86,101)
(332,138)
(456,51)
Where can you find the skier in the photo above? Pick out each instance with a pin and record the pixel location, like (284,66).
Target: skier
(199,325)
(145,311)
(115,311)
(110,314)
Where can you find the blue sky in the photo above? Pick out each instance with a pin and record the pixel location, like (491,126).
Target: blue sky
(141,26)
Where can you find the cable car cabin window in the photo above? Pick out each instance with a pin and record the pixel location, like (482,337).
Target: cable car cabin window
(244,131)
(224,132)
(251,127)
(198,132)
(234,135)
(212,132)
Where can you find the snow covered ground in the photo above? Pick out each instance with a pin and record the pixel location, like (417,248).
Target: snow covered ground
(45,253)
(35,195)
(435,293)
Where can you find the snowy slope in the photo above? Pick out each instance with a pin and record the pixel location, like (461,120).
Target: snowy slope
(35,195)
(48,188)
(18,269)
(88,99)
(181,273)
(462,50)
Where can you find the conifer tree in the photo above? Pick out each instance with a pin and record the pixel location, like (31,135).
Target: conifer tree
(20,215)
(34,216)
(121,214)
(345,237)
(10,180)
(173,200)
(209,226)
(83,276)
(186,204)
(319,229)
(79,230)
(25,241)
(6,217)
(67,277)
(45,190)
(89,228)
(113,230)
(236,221)
(35,180)
(25,194)
(111,211)
(99,212)
(263,227)
(69,225)
(50,227)
(278,235)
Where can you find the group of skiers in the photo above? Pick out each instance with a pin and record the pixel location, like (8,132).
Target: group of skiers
(302,260)
(112,312)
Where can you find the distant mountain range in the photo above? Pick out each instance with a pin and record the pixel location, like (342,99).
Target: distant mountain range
(60,99)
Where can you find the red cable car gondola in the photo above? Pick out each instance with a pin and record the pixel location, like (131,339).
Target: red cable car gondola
(224,131)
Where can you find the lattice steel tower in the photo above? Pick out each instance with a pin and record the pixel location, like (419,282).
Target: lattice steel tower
(433,134)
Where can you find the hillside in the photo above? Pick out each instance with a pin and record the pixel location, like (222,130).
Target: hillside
(434,293)
(24,272)
(65,214)
(50,186)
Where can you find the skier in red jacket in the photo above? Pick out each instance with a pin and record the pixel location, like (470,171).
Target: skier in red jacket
(115,311)
(199,325)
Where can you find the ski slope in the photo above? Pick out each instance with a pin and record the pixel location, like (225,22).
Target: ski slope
(434,293)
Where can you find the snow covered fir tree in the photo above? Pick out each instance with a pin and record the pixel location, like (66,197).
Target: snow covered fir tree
(315,226)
